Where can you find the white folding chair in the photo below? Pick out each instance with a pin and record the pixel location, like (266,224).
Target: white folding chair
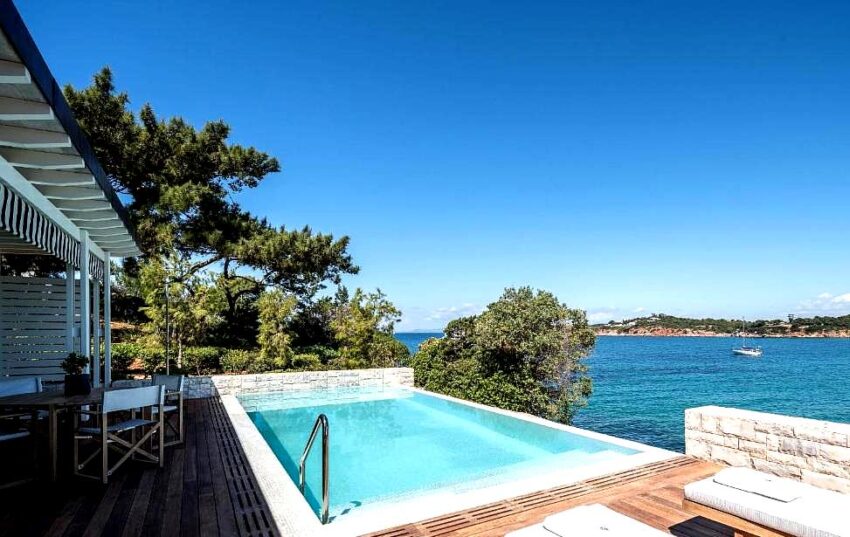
(13,426)
(130,405)
(174,405)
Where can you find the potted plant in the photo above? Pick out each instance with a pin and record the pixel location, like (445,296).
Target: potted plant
(76,382)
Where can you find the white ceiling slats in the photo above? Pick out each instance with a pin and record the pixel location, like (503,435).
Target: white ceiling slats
(41,144)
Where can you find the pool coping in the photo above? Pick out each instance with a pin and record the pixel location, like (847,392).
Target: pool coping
(289,510)
(294,517)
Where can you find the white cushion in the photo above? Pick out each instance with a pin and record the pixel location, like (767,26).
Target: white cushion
(536,530)
(20,385)
(588,521)
(597,521)
(770,486)
(814,513)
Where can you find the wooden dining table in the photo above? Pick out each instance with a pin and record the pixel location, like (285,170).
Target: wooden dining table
(53,402)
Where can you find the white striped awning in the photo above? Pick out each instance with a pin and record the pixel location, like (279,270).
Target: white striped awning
(21,220)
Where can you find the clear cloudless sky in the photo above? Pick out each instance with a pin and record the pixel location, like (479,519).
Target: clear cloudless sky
(681,157)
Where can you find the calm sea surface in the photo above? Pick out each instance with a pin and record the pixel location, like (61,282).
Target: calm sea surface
(413,339)
(642,385)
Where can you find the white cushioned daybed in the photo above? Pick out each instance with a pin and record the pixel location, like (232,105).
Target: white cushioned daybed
(588,521)
(763,504)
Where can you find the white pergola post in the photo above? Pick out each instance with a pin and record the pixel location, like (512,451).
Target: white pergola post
(85,314)
(96,331)
(107,319)
(70,275)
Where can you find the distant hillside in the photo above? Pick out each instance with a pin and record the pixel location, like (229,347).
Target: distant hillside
(659,324)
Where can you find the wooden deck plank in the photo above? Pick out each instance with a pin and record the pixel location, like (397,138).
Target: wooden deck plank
(208,520)
(139,507)
(63,520)
(189,517)
(118,517)
(97,522)
(629,492)
(191,495)
(159,491)
(83,514)
(174,497)
(627,507)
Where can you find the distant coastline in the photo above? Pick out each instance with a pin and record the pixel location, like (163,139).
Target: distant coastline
(662,325)
(689,333)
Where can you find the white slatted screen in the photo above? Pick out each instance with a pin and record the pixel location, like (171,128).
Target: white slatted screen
(32,326)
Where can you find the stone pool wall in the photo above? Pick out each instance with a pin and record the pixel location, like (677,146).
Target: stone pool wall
(812,451)
(212,385)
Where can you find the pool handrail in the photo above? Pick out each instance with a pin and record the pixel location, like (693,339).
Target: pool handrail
(321,422)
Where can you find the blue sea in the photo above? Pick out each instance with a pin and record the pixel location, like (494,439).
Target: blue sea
(413,339)
(642,385)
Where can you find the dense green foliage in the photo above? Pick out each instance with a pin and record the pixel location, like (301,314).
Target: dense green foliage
(218,288)
(660,320)
(771,327)
(819,324)
(179,182)
(351,332)
(524,352)
(194,305)
(363,330)
(275,310)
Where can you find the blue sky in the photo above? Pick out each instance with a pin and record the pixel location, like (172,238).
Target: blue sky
(631,157)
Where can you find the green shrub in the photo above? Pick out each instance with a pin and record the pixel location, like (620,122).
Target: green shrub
(124,354)
(274,310)
(306,361)
(153,360)
(202,360)
(243,361)
(325,354)
(524,353)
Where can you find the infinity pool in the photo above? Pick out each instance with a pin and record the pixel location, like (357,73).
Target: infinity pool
(392,444)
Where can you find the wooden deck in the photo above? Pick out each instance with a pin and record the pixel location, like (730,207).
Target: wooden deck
(205,489)
(651,494)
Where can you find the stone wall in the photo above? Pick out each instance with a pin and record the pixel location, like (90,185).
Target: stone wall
(813,451)
(209,386)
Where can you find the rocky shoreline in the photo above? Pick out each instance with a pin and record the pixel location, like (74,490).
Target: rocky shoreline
(672,332)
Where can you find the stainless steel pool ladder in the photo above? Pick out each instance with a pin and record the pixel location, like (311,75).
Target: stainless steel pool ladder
(321,422)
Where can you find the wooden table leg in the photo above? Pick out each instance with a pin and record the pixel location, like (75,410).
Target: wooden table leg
(53,441)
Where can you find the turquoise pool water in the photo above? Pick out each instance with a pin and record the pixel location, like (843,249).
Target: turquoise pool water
(392,444)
